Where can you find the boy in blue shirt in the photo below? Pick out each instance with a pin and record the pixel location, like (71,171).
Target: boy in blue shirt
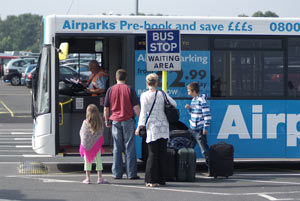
(200,118)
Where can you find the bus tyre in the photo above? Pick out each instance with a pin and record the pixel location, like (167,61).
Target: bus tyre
(15,80)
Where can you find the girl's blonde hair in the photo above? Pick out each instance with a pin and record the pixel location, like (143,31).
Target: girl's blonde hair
(94,119)
(152,80)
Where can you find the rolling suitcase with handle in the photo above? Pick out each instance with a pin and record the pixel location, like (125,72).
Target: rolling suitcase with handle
(186,164)
(221,160)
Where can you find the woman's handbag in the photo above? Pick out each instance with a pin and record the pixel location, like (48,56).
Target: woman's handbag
(171,112)
(143,130)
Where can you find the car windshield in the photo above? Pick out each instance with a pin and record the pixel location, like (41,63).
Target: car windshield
(84,69)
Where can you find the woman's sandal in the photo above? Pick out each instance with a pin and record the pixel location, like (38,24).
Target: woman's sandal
(152,184)
(86,181)
(102,181)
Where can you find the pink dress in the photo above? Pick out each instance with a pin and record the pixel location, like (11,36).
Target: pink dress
(91,143)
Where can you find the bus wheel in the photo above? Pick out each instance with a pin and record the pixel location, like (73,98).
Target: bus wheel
(15,80)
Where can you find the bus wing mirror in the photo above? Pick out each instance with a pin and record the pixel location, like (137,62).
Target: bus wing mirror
(63,51)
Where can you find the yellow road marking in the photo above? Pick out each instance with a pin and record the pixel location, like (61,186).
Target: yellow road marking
(4,112)
(23,116)
(7,108)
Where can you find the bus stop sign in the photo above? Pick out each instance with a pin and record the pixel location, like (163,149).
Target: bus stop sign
(163,50)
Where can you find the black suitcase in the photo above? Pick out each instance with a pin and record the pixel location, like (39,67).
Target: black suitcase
(170,165)
(186,164)
(221,159)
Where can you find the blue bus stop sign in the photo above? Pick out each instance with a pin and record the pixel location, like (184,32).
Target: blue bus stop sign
(163,50)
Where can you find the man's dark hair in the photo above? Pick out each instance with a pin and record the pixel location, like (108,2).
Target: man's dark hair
(94,63)
(194,86)
(121,75)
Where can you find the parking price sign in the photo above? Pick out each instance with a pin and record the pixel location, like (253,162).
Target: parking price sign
(163,50)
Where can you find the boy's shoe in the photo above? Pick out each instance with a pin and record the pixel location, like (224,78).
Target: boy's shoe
(86,181)
(102,181)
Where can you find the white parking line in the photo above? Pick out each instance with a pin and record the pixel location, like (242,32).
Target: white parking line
(35,156)
(15,133)
(57,181)
(23,146)
(270,182)
(27,156)
(16,146)
(12,142)
(272,198)
(16,139)
(279,174)
(22,133)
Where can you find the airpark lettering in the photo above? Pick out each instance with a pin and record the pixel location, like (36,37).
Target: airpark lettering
(123,25)
(234,124)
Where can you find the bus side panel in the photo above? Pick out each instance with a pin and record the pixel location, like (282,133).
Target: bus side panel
(44,142)
(293,129)
(256,128)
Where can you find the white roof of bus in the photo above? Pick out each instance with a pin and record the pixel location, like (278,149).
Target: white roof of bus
(186,24)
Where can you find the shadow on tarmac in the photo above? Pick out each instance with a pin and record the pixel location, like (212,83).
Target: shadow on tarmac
(239,166)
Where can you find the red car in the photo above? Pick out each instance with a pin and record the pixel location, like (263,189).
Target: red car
(4,59)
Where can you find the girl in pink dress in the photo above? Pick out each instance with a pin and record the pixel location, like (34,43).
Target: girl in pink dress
(91,137)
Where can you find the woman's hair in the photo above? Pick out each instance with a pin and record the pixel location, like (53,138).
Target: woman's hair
(152,80)
(194,86)
(94,119)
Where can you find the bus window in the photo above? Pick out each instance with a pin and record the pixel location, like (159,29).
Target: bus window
(293,84)
(247,73)
(42,92)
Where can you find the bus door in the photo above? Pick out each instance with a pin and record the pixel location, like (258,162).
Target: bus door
(107,50)
(43,110)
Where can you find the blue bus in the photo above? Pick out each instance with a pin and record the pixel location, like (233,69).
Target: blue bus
(248,67)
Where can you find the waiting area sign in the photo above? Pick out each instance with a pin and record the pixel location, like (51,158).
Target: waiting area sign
(163,51)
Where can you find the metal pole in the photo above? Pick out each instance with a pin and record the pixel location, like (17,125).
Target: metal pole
(164,81)
(137,7)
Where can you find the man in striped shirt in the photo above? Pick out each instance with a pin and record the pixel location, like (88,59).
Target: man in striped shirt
(200,118)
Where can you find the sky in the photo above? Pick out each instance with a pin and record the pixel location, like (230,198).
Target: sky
(225,8)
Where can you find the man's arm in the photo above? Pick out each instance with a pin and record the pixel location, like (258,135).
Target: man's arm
(96,91)
(106,116)
(135,101)
(137,110)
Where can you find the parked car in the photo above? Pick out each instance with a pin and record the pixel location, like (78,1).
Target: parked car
(4,59)
(68,72)
(64,73)
(13,71)
(84,70)
(28,80)
(31,60)
(26,73)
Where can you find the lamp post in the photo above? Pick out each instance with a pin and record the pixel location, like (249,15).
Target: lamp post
(137,7)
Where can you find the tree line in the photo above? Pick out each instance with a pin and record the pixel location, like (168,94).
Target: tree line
(21,33)
(24,32)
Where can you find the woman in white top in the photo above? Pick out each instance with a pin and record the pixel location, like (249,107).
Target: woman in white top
(157,131)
